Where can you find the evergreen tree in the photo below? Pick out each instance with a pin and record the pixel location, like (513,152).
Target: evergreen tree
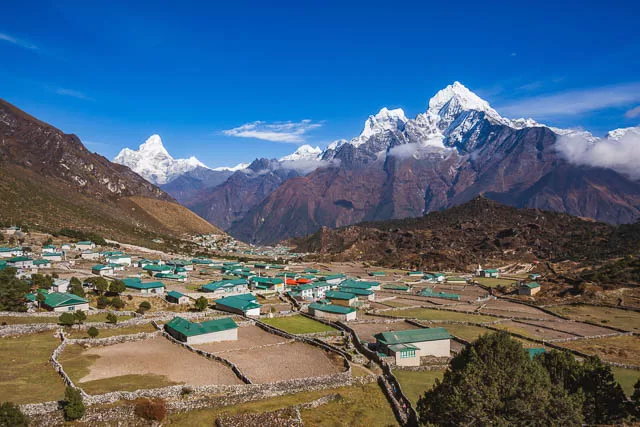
(604,398)
(66,319)
(112,318)
(11,415)
(79,316)
(202,304)
(12,291)
(93,332)
(117,287)
(73,404)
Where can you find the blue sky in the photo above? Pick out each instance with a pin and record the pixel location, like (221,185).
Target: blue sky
(310,72)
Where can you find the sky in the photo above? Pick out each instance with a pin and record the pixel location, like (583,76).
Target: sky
(229,82)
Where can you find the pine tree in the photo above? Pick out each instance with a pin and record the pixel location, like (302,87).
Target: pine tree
(73,404)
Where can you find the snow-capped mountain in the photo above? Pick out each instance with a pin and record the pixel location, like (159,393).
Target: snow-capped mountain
(154,163)
(238,167)
(304,152)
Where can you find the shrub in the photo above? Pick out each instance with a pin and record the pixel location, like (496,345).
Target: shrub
(116,302)
(73,404)
(129,297)
(112,318)
(202,303)
(103,301)
(66,319)
(11,415)
(79,316)
(93,332)
(145,305)
(151,409)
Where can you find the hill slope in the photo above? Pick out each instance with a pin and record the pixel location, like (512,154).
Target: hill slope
(50,180)
(476,232)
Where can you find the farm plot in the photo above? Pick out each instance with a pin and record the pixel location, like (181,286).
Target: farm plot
(248,337)
(531,331)
(415,383)
(466,332)
(575,328)
(623,349)
(512,309)
(429,314)
(627,320)
(298,324)
(284,362)
(104,333)
(366,331)
(141,364)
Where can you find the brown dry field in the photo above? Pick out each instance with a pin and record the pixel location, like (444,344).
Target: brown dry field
(173,216)
(157,356)
(284,362)
(248,337)
(532,331)
(508,308)
(623,349)
(578,329)
(366,331)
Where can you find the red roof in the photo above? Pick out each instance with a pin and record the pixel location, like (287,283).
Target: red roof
(303,281)
(290,282)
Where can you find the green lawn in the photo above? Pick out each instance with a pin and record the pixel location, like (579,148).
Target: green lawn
(77,364)
(104,333)
(9,320)
(627,378)
(298,324)
(493,282)
(359,406)
(26,375)
(627,320)
(415,383)
(428,314)
(466,332)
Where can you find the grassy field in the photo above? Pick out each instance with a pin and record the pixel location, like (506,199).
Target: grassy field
(26,376)
(9,320)
(414,384)
(359,406)
(298,325)
(615,349)
(104,333)
(77,364)
(627,320)
(627,378)
(428,314)
(493,282)
(466,332)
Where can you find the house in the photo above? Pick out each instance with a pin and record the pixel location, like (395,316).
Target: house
(6,252)
(275,284)
(102,270)
(121,259)
(362,294)
(60,285)
(200,333)
(397,288)
(20,262)
(177,298)
(86,245)
(534,276)
(134,283)
(144,262)
(66,247)
(334,279)
(201,261)
(341,298)
(180,263)
(428,292)
(529,288)
(57,301)
(303,291)
(53,256)
(227,287)
(311,270)
(377,273)
(42,263)
(415,274)
(171,276)
(154,269)
(10,231)
(534,351)
(332,312)
(489,272)
(409,345)
(48,249)
(245,304)
(89,254)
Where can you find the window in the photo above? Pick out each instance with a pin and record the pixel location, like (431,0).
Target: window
(407,353)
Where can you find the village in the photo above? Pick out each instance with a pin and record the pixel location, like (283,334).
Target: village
(119,322)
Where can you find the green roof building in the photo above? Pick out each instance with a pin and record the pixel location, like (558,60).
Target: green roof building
(332,312)
(144,287)
(60,302)
(244,304)
(408,346)
(199,333)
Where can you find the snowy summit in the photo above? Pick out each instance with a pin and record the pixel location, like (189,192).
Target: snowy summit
(154,163)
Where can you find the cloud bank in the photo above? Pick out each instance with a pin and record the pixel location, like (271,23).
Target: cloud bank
(287,132)
(17,42)
(621,154)
(574,102)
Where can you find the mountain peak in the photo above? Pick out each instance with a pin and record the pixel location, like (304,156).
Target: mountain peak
(154,144)
(466,99)
(306,152)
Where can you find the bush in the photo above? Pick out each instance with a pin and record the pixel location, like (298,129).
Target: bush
(151,409)
(112,318)
(11,415)
(93,332)
(129,297)
(117,287)
(66,319)
(116,302)
(145,305)
(103,301)
(202,303)
(73,404)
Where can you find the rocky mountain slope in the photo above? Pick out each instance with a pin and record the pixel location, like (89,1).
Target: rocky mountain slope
(50,180)
(480,231)
(459,148)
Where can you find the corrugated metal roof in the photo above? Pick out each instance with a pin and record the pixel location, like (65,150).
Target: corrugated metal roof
(331,308)
(190,329)
(412,335)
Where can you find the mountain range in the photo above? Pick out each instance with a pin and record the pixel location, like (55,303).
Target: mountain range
(460,147)
(49,180)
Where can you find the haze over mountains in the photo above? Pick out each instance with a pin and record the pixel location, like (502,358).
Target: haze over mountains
(400,167)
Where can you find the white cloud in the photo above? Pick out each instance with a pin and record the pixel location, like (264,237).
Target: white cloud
(633,113)
(72,93)
(288,132)
(17,42)
(574,102)
(622,155)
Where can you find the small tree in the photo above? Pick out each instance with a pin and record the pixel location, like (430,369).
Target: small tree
(145,305)
(67,319)
(151,409)
(73,404)
(112,318)
(202,303)
(117,287)
(117,303)
(93,332)
(79,316)
(103,302)
(11,415)
(40,298)
(101,285)
(75,281)
(77,289)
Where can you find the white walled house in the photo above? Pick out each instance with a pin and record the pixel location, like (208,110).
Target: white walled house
(53,256)
(89,254)
(102,270)
(61,285)
(83,246)
(408,346)
(118,259)
(205,332)
(60,302)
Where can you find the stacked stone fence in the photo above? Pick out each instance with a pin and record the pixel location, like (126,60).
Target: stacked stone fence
(602,304)
(591,337)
